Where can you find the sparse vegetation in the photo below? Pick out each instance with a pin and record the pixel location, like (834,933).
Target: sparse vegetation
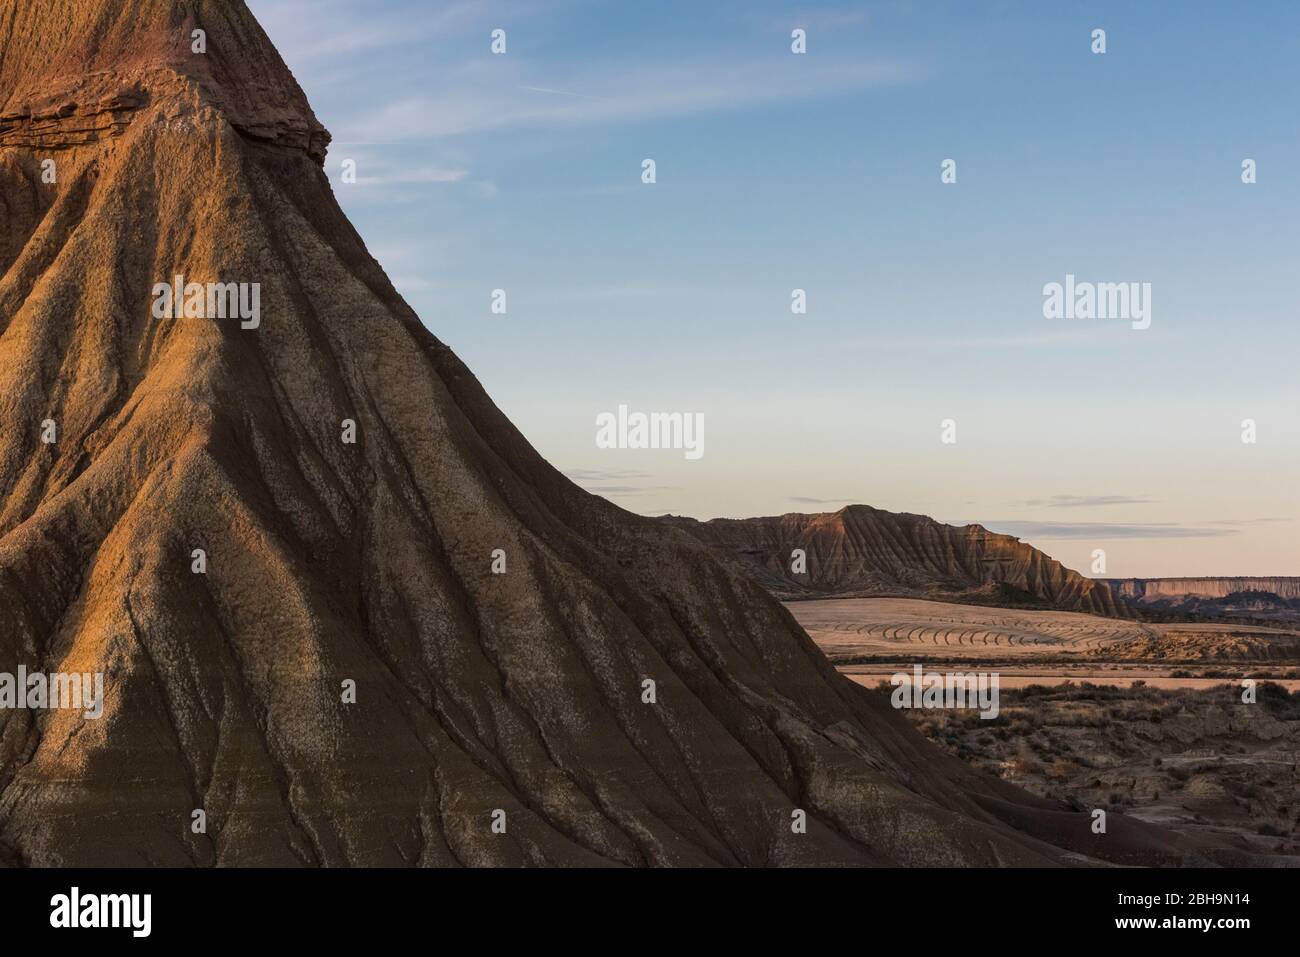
(1200,758)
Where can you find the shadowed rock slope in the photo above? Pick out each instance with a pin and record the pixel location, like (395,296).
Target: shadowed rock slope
(370,562)
(861,551)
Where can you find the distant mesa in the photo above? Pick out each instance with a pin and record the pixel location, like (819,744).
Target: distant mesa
(861,551)
(1157,589)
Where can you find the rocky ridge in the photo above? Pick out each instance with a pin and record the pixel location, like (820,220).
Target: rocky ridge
(861,551)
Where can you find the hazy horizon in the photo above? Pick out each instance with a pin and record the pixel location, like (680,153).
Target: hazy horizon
(821,172)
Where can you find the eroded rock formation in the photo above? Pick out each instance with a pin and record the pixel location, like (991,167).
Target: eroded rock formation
(861,551)
(328,562)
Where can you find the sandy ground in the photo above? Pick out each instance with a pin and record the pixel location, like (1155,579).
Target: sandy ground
(867,636)
(1009,678)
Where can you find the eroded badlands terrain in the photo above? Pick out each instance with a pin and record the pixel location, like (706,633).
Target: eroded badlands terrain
(1144,720)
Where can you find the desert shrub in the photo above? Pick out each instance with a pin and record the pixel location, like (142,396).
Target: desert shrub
(1022,726)
(1061,770)
(1278,702)
(1022,764)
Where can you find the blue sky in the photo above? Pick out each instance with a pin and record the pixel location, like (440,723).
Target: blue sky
(821,172)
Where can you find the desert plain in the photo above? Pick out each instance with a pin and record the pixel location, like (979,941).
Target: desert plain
(1143,719)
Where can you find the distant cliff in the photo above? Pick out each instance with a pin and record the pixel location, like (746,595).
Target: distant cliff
(1156,589)
(1268,600)
(863,551)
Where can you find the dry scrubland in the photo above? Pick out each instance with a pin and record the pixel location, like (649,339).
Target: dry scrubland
(1187,760)
(1145,720)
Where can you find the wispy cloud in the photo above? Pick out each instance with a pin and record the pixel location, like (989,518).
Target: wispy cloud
(1084,501)
(805,500)
(1246,522)
(542,89)
(625,489)
(598,482)
(1100,530)
(468,90)
(1096,337)
(309,33)
(396,176)
(603,475)
(482,95)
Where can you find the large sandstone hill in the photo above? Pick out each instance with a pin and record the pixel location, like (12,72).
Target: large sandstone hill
(861,551)
(329,562)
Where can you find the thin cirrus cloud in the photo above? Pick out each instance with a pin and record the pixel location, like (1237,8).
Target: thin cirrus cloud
(625,489)
(603,475)
(600,478)
(384,178)
(482,96)
(1085,501)
(333,42)
(1243,522)
(1100,531)
(806,500)
(309,33)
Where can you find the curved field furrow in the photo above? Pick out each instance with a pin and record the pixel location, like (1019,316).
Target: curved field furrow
(879,627)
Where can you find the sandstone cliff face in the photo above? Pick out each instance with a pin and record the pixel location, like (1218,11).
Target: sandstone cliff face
(1260,600)
(330,562)
(863,551)
(1154,589)
(74,71)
